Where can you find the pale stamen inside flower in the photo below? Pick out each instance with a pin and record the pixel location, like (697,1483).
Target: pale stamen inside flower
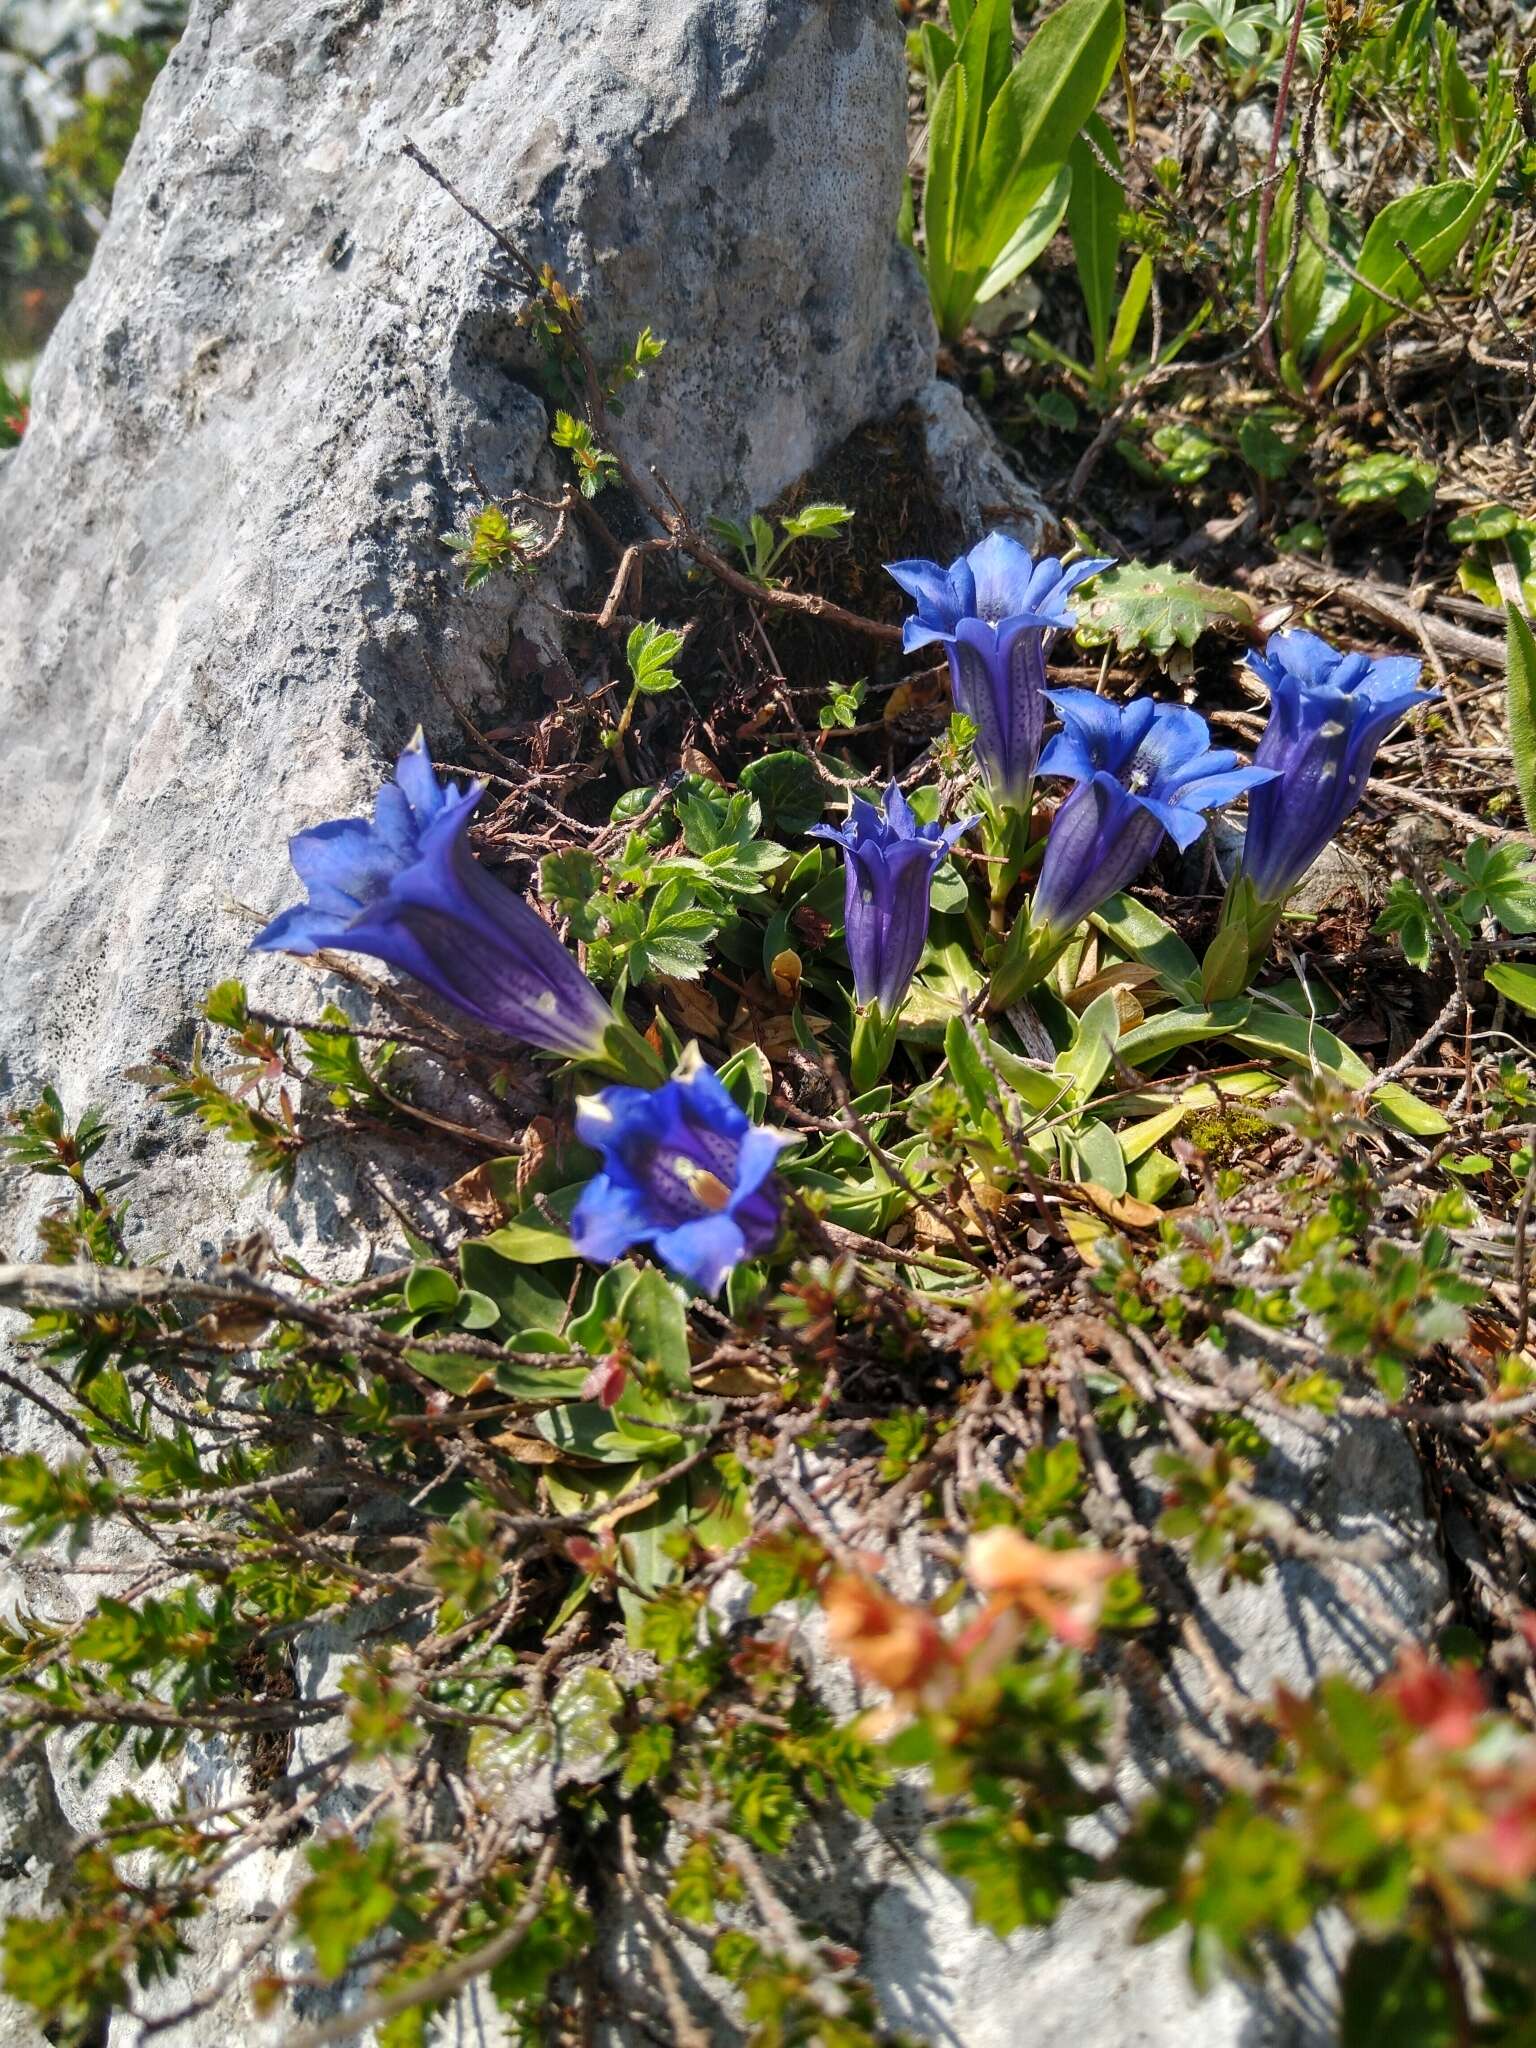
(706,1188)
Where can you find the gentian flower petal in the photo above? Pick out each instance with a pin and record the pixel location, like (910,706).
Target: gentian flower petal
(1099,842)
(996,610)
(703,1252)
(685,1171)
(1142,770)
(1329,712)
(407,890)
(889,866)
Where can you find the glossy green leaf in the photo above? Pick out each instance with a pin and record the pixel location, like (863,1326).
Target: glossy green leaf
(1035,118)
(1512,978)
(1436,224)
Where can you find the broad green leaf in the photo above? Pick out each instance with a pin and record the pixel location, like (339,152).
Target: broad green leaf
(1033,235)
(526,1297)
(1520,694)
(1033,121)
(1515,980)
(1093,1153)
(934,49)
(1304,290)
(1141,607)
(1087,1060)
(1436,224)
(1171,1029)
(657,1326)
(1305,1042)
(985,51)
(1093,217)
(586,1430)
(1142,935)
(590,1330)
(968,1067)
(452,1370)
(750,1079)
(1136,1140)
(1400,1107)
(1152,1175)
(787,789)
(529,1239)
(429,1290)
(521,1382)
(946,135)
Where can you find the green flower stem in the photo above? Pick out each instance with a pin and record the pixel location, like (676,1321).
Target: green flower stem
(1007,844)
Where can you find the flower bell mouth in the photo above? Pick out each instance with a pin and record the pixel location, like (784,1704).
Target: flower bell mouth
(684,1171)
(996,611)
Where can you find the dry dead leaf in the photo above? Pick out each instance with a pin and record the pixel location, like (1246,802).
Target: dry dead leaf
(1129,975)
(692,1009)
(475,1197)
(918,693)
(527,1450)
(785,970)
(1127,1210)
(740,1380)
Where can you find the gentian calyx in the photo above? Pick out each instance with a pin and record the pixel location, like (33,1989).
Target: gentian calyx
(996,611)
(684,1170)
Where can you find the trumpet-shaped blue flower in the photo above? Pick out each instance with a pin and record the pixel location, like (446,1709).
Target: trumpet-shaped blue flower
(406,889)
(996,611)
(1141,770)
(889,866)
(1329,712)
(684,1171)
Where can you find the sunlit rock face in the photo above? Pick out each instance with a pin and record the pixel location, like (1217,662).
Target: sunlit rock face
(223,596)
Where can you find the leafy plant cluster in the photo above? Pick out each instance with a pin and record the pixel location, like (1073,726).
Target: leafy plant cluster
(576,1543)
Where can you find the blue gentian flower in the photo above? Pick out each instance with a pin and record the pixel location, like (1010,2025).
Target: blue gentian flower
(1141,770)
(890,863)
(996,611)
(406,889)
(1329,712)
(684,1171)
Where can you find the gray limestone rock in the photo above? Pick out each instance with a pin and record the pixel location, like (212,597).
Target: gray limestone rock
(222,589)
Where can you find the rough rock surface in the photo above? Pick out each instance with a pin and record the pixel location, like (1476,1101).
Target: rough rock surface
(221,574)
(221,583)
(1376,1585)
(220,588)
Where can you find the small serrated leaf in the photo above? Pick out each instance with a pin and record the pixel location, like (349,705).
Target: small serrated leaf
(1154,609)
